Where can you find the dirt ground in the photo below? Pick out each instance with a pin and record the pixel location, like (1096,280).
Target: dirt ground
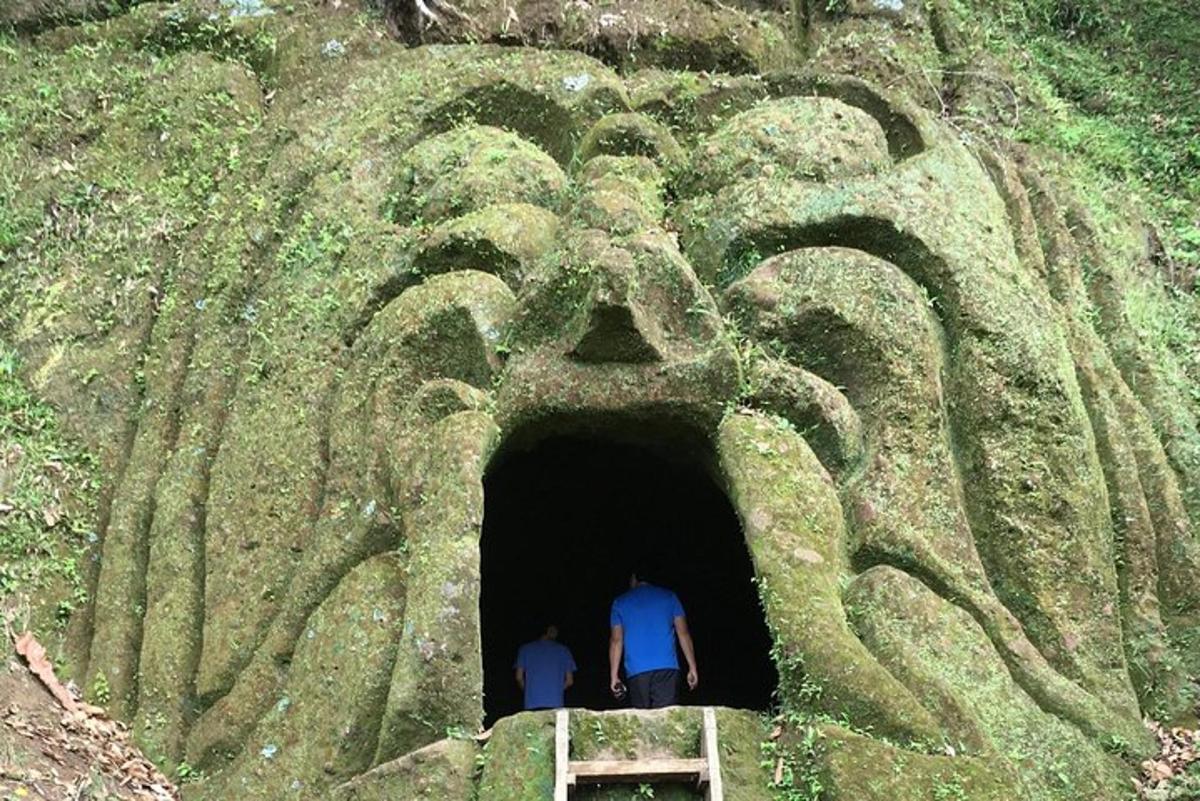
(50,752)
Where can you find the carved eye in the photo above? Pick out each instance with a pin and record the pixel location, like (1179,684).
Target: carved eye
(792,138)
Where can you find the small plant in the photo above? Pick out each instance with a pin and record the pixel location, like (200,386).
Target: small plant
(791,763)
(951,790)
(457,733)
(101,693)
(186,774)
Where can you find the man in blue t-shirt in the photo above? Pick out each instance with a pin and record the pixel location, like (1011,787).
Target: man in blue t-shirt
(645,624)
(544,670)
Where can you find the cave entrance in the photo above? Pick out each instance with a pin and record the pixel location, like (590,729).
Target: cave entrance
(562,518)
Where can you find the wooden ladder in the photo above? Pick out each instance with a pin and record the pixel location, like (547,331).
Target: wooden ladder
(704,771)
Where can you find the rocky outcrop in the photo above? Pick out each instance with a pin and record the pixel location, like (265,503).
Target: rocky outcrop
(295,284)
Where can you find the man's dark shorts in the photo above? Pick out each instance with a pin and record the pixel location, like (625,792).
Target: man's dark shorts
(654,689)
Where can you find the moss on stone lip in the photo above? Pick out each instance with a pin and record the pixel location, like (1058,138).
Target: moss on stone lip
(295,284)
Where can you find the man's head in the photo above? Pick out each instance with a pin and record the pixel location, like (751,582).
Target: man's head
(550,632)
(643,570)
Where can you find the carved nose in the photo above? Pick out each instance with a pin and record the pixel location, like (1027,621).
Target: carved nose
(617,327)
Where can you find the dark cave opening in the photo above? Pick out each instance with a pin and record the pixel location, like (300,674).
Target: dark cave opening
(563,521)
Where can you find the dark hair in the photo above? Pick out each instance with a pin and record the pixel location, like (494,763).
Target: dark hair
(646,567)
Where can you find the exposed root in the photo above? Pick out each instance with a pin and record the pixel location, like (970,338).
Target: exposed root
(413,20)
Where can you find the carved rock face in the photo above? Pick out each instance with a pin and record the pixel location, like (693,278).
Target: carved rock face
(416,255)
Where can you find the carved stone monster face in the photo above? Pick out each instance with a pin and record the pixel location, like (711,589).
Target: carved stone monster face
(478,245)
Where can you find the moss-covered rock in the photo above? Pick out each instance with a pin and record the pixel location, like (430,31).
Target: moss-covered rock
(437,680)
(690,102)
(322,728)
(794,527)
(519,759)
(630,134)
(519,755)
(676,34)
(850,765)
(948,661)
(504,239)
(815,407)
(443,770)
(874,39)
(796,138)
(467,169)
(992,454)
(624,195)
(293,283)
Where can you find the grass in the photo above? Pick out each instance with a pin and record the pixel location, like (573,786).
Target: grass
(1116,88)
(1116,85)
(47,499)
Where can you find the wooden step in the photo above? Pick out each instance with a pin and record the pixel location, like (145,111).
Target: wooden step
(704,772)
(637,771)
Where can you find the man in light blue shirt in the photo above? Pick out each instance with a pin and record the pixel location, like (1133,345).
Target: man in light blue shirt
(645,624)
(544,670)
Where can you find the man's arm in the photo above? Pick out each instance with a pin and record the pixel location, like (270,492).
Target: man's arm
(616,643)
(521,678)
(569,680)
(689,651)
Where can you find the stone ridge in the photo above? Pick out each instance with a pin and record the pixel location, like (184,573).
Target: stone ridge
(295,284)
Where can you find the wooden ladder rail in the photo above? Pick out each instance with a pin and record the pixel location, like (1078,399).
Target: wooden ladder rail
(705,771)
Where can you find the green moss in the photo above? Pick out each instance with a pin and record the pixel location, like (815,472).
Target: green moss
(469,168)
(48,489)
(796,138)
(625,194)
(817,409)
(440,771)
(519,759)
(794,526)
(437,681)
(632,734)
(853,766)
(948,660)
(630,134)
(504,239)
(692,101)
(519,755)
(878,49)
(323,725)
(1090,91)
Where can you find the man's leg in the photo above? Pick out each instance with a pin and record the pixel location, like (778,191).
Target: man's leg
(664,688)
(639,689)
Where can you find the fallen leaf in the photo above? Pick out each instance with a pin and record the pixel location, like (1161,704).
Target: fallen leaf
(39,665)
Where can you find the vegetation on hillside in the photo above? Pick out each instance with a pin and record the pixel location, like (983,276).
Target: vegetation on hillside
(1115,87)
(47,502)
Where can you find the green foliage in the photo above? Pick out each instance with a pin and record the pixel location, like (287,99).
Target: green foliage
(1114,85)
(313,245)
(791,761)
(951,790)
(186,774)
(47,496)
(100,692)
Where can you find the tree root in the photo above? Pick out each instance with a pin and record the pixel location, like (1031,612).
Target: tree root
(412,20)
